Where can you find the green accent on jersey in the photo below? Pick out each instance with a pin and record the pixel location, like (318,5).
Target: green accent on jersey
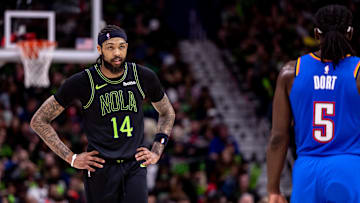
(142,166)
(125,126)
(113,120)
(114,82)
(114,101)
(114,96)
(92,89)
(105,104)
(132,102)
(97,87)
(137,80)
(122,102)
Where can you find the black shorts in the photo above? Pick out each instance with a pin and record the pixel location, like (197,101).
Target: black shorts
(117,181)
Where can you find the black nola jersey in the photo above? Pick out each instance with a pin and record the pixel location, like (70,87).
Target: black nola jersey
(113,115)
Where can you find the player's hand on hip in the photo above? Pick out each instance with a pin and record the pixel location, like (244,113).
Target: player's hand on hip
(277,198)
(88,160)
(144,153)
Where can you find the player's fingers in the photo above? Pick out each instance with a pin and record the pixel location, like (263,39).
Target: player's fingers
(90,169)
(140,153)
(145,156)
(142,157)
(93,163)
(94,152)
(142,149)
(94,158)
(148,157)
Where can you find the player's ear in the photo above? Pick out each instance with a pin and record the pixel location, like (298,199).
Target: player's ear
(317,33)
(349,33)
(99,49)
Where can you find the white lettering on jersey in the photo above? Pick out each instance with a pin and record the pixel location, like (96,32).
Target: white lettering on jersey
(324,82)
(129,83)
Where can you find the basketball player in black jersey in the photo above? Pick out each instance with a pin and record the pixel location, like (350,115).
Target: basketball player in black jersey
(111,92)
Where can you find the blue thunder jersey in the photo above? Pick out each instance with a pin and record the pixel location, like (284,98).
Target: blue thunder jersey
(325,106)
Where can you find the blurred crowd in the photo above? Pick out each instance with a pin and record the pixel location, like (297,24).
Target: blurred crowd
(261,39)
(202,162)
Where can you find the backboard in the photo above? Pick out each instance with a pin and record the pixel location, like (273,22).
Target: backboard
(50,19)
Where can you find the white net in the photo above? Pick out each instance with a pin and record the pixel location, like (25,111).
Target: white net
(36,56)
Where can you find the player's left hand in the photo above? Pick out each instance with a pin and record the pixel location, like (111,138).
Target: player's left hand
(147,155)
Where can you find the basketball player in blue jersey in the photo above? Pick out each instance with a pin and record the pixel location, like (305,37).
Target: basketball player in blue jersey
(111,93)
(321,91)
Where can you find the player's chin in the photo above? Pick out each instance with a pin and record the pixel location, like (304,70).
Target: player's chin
(116,65)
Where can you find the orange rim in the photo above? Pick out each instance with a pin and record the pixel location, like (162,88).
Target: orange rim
(31,48)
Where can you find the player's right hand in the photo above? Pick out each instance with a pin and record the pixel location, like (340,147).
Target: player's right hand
(87,160)
(277,198)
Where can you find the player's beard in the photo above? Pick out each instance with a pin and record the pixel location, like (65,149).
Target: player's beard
(110,67)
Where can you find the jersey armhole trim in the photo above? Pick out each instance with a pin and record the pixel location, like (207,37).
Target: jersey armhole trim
(297,67)
(92,89)
(137,81)
(356,71)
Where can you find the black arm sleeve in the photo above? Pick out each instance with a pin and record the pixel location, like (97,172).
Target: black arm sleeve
(150,84)
(75,87)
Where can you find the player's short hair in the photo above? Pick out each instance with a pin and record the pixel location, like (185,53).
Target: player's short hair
(334,21)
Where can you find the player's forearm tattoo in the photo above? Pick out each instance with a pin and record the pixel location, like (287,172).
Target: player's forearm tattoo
(40,123)
(166,115)
(158,148)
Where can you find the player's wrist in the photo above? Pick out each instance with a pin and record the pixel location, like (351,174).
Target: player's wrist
(69,157)
(162,138)
(73,157)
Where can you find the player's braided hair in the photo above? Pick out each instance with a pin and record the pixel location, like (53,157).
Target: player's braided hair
(334,22)
(103,31)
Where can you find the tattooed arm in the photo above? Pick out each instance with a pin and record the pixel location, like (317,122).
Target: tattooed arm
(166,115)
(40,123)
(165,124)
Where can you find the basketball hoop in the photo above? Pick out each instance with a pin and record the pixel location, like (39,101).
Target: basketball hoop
(36,56)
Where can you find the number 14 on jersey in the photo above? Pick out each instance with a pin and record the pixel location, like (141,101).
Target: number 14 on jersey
(125,127)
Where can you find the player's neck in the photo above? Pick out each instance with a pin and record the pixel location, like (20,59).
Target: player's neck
(107,73)
(318,53)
